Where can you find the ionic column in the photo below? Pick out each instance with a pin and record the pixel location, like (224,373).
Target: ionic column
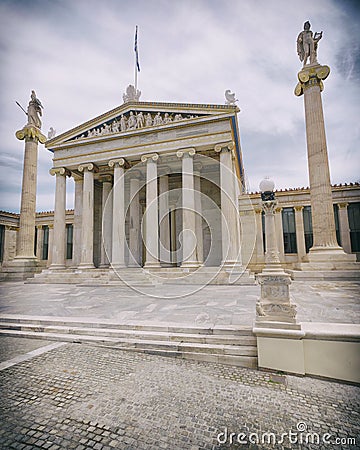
(164,217)
(229,219)
(78,199)
(135,220)
(189,243)
(87,225)
(39,242)
(58,252)
(118,224)
(300,235)
(259,243)
(344,227)
(198,219)
(323,222)
(106,220)
(151,212)
(50,244)
(279,233)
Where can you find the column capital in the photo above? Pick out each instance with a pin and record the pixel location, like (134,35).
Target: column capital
(343,205)
(258,209)
(39,227)
(150,156)
(117,162)
(11,228)
(224,146)
(90,167)
(60,171)
(30,132)
(105,178)
(185,152)
(299,207)
(311,76)
(278,209)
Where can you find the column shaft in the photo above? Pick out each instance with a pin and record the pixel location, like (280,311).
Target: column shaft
(164,218)
(198,220)
(229,219)
(135,225)
(87,225)
(344,227)
(77,220)
(106,219)
(118,226)
(58,254)
(26,234)
(151,213)
(323,221)
(300,235)
(279,233)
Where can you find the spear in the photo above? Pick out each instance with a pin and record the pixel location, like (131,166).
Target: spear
(21,107)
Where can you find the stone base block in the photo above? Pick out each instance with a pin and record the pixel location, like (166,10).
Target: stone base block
(20,269)
(320,274)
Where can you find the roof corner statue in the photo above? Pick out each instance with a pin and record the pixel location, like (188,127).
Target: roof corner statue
(307,43)
(230,97)
(132,94)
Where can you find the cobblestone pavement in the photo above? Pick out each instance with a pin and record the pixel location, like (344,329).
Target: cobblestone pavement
(82,397)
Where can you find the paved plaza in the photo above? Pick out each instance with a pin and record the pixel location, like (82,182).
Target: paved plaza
(75,396)
(82,397)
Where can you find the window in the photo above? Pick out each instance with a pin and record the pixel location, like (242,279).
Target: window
(2,242)
(69,240)
(45,252)
(354,225)
(308,233)
(289,230)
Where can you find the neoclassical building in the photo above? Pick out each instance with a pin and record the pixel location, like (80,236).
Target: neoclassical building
(160,186)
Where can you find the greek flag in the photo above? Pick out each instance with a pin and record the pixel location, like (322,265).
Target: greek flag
(136,50)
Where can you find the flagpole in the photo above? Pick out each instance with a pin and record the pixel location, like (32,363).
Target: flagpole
(137,68)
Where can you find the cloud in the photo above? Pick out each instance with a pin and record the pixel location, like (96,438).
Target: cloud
(79,58)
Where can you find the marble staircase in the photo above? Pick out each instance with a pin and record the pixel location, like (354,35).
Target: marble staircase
(227,345)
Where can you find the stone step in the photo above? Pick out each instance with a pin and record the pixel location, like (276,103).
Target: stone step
(248,341)
(109,323)
(178,347)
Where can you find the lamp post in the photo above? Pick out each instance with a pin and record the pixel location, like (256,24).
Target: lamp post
(274,305)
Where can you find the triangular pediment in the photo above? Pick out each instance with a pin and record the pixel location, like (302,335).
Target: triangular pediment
(140,116)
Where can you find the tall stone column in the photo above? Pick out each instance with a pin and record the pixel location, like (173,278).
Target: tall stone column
(229,220)
(135,223)
(189,242)
(39,242)
(279,233)
(50,244)
(106,220)
(26,236)
(118,225)
(344,227)
(58,252)
(78,199)
(164,217)
(151,212)
(259,243)
(325,247)
(300,235)
(87,225)
(198,219)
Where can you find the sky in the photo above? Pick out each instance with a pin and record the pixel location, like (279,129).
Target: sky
(78,55)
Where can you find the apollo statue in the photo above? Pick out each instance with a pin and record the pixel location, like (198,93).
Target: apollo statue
(307,44)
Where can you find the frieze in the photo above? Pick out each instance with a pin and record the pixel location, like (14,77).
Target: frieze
(134,120)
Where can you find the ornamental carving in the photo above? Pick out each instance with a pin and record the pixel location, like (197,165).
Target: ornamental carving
(311,76)
(134,120)
(275,309)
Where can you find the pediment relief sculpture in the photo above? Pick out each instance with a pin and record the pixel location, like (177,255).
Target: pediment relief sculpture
(134,120)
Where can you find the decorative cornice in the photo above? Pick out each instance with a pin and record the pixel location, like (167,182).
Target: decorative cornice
(60,171)
(90,167)
(30,132)
(151,156)
(185,152)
